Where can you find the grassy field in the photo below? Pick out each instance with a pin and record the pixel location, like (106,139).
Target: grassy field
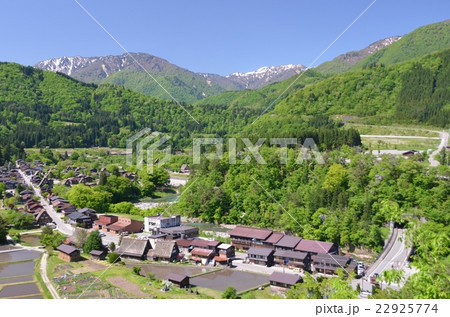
(392,130)
(400,144)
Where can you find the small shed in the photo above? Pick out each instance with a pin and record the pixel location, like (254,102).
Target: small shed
(178,279)
(68,253)
(98,254)
(281,282)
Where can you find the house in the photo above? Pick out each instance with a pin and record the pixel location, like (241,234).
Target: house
(180,232)
(328,263)
(67,209)
(272,239)
(225,253)
(410,153)
(154,223)
(185,169)
(71,181)
(91,213)
(165,251)
(98,254)
(77,218)
(42,218)
(262,256)
(134,248)
(293,259)
(156,237)
(247,237)
(184,245)
(203,256)
(314,247)
(287,243)
(178,280)
(104,221)
(68,253)
(205,244)
(226,250)
(125,225)
(46,185)
(281,282)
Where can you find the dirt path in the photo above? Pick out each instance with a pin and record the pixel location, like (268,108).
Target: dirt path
(128,286)
(47,282)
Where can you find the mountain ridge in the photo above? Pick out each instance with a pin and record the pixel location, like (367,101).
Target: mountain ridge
(127,70)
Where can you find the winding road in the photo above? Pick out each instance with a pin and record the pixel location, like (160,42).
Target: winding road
(444,142)
(443,136)
(394,256)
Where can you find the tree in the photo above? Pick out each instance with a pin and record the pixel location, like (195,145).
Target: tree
(113,257)
(3,230)
(46,231)
(112,246)
(137,270)
(229,293)
(93,242)
(80,238)
(83,196)
(2,190)
(335,177)
(103,179)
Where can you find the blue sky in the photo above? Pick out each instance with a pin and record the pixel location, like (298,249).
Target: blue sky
(206,36)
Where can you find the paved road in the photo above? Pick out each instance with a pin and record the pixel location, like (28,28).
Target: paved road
(444,142)
(399,137)
(394,256)
(61,226)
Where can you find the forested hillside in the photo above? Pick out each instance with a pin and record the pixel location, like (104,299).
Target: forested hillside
(413,92)
(262,98)
(422,41)
(40,108)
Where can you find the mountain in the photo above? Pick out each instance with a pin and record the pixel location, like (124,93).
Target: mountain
(266,75)
(126,70)
(424,40)
(184,85)
(41,108)
(414,92)
(346,61)
(263,97)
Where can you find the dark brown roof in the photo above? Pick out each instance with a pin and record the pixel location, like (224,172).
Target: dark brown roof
(260,251)
(285,278)
(184,243)
(314,246)
(118,225)
(291,254)
(288,242)
(250,232)
(97,252)
(274,238)
(328,259)
(67,249)
(201,252)
(176,277)
(200,243)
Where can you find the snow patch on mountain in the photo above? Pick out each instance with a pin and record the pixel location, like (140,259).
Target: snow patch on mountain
(266,75)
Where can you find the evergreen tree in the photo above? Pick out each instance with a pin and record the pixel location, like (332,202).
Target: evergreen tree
(93,242)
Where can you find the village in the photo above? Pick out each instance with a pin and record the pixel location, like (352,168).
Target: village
(164,245)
